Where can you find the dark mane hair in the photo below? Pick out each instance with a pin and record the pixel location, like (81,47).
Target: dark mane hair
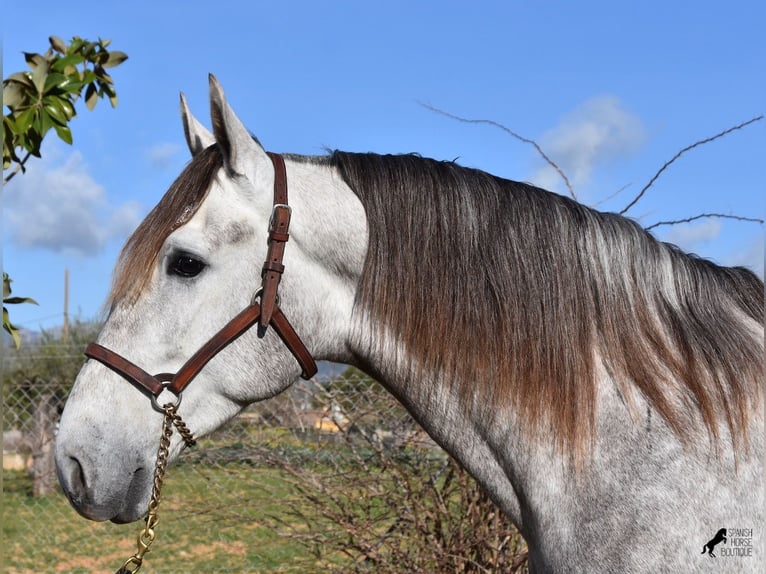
(519,297)
(139,255)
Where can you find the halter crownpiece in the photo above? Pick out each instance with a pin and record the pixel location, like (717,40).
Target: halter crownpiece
(279,224)
(266,313)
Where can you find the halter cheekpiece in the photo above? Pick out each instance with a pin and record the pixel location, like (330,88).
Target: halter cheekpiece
(263,309)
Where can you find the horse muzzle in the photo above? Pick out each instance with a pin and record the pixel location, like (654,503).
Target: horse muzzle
(99,495)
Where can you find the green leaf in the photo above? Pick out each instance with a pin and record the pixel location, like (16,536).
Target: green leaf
(10,329)
(55,80)
(107,90)
(20,77)
(25,120)
(115,59)
(10,123)
(19,300)
(45,121)
(76,45)
(40,75)
(103,76)
(32,144)
(13,95)
(64,106)
(91,97)
(88,76)
(54,111)
(34,59)
(64,133)
(64,63)
(58,44)
(74,85)
(7,325)
(89,50)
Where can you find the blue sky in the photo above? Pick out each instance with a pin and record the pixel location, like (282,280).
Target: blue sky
(610,90)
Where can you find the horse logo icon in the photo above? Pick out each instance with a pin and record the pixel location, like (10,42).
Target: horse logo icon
(719,537)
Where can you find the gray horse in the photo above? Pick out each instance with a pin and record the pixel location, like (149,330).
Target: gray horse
(606,389)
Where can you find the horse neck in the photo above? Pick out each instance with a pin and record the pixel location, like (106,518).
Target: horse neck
(323,259)
(329,240)
(324,266)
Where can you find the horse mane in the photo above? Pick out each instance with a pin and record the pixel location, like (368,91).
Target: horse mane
(138,257)
(518,297)
(521,298)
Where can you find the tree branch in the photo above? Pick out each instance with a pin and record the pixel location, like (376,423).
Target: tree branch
(19,167)
(513,134)
(702,216)
(683,151)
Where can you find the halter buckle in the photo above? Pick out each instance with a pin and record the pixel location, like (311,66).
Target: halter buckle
(274,209)
(257,295)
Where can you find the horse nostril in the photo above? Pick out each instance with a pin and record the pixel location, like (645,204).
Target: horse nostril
(74,477)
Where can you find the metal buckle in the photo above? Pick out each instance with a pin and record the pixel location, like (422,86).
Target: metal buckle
(274,211)
(257,295)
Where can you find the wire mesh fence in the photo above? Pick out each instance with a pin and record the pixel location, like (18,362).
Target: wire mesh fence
(331,476)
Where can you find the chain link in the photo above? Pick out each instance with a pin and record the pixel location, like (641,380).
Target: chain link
(147,534)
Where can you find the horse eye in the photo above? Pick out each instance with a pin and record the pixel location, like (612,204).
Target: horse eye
(185,265)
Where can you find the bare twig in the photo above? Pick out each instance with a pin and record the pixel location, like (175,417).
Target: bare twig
(683,151)
(704,216)
(513,134)
(611,195)
(17,169)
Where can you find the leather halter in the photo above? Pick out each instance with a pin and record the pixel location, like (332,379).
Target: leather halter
(266,313)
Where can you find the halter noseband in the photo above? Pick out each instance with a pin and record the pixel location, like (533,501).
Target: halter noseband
(266,313)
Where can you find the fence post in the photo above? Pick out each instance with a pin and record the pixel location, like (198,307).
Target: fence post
(44,420)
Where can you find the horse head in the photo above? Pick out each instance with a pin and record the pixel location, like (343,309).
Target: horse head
(191,266)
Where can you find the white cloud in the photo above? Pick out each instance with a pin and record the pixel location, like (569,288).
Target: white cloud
(751,256)
(161,155)
(691,236)
(57,206)
(596,132)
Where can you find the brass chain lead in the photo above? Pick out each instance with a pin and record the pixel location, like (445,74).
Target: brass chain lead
(147,534)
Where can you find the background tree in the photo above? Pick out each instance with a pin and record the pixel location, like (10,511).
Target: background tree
(43,98)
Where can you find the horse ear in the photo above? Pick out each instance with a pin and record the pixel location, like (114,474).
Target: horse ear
(198,137)
(241,152)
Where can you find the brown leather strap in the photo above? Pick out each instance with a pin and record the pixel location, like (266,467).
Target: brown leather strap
(266,313)
(271,273)
(293,342)
(229,333)
(127,370)
(273,268)
(280,178)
